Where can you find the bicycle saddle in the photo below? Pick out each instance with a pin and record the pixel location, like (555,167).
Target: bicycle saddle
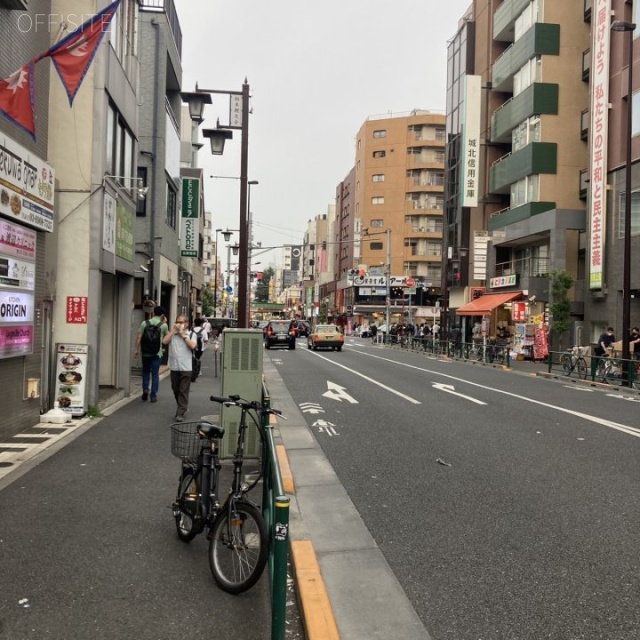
(210,431)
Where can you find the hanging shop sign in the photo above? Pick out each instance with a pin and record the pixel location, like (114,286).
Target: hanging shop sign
(190,218)
(470,153)
(503,281)
(26,186)
(71,377)
(16,307)
(77,309)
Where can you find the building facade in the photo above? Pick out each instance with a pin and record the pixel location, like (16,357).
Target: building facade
(516,98)
(26,338)
(398,208)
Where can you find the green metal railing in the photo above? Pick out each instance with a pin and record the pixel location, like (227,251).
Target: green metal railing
(606,369)
(275,508)
(490,352)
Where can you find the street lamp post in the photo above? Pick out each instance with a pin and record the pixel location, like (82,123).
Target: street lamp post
(226,234)
(239,119)
(620,25)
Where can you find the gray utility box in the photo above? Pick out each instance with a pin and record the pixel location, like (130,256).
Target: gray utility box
(242,352)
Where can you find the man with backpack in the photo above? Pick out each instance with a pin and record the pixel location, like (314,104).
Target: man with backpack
(149,346)
(200,336)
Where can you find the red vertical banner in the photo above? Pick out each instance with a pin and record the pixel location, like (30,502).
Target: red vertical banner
(540,344)
(77,309)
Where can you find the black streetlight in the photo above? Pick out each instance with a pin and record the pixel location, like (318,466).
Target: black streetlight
(620,25)
(238,119)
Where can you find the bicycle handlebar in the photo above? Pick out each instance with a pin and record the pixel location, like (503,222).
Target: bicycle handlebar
(237,401)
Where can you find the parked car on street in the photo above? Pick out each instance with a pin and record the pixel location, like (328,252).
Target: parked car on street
(325,336)
(280,333)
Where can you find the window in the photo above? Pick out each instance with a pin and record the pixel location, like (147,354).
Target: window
(120,146)
(377,222)
(635,214)
(379,154)
(526,75)
(377,200)
(376,246)
(635,114)
(172,205)
(359,144)
(526,20)
(525,190)
(380,133)
(377,177)
(526,132)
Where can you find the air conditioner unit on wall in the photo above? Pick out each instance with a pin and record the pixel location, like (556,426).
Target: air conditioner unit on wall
(21,5)
(242,354)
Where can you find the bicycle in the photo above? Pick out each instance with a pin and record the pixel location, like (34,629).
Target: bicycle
(236,529)
(611,370)
(574,360)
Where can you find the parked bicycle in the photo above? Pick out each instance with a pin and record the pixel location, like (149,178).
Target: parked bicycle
(612,370)
(574,360)
(236,530)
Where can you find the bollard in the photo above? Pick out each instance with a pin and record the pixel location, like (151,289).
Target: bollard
(280,556)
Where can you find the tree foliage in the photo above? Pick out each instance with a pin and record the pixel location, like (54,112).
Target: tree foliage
(323,313)
(207,302)
(561,282)
(262,288)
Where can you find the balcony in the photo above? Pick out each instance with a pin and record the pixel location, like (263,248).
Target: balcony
(539,98)
(586,65)
(504,19)
(584,125)
(525,268)
(167,7)
(508,216)
(536,157)
(541,39)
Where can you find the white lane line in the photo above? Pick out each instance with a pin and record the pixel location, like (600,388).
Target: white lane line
(632,431)
(367,378)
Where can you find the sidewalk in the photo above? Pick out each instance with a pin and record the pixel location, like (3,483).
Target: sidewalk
(88,542)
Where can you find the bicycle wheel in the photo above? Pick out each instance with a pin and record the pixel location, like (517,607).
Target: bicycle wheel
(583,370)
(565,363)
(613,373)
(238,548)
(187,509)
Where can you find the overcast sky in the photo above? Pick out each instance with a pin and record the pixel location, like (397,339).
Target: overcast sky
(316,70)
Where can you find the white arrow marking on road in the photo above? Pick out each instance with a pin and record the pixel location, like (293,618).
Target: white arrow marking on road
(621,397)
(323,423)
(449,388)
(311,407)
(336,392)
(330,431)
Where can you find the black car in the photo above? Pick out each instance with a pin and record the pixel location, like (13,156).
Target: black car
(303,328)
(280,333)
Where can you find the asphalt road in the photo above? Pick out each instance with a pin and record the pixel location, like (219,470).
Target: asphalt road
(508,506)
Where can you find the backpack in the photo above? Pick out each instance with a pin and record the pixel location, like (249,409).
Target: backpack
(151,339)
(197,352)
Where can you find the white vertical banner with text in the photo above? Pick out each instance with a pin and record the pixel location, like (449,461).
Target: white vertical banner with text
(598,139)
(470,151)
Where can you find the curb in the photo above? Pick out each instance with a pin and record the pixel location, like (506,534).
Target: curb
(317,613)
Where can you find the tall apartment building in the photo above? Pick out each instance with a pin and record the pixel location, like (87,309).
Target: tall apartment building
(399,196)
(516,98)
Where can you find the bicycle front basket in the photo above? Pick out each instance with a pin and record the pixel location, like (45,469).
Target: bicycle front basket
(185,441)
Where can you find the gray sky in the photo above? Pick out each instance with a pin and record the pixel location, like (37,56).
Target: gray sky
(316,70)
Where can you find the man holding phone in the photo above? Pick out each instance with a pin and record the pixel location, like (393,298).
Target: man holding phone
(180,348)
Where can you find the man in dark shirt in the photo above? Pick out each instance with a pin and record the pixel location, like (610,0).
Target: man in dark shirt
(605,341)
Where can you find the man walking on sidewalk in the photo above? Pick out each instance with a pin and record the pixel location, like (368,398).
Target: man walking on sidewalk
(180,348)
(149,346)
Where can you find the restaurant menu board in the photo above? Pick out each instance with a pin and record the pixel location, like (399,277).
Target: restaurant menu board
(71,376)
